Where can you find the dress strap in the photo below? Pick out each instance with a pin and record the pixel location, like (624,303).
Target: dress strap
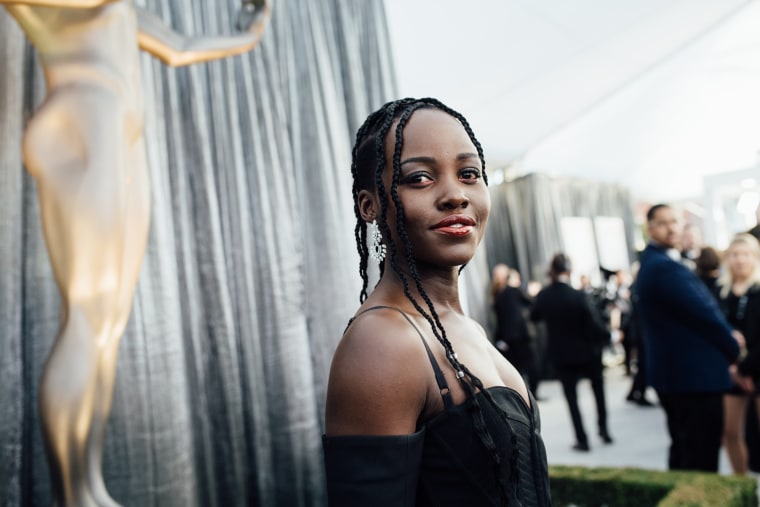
(443,387)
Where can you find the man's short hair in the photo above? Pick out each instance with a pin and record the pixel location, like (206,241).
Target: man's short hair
(654,209)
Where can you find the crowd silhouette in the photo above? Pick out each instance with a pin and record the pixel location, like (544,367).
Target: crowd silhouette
(683,322)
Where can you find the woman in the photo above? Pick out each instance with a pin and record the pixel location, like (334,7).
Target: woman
(421,408)
(740,300)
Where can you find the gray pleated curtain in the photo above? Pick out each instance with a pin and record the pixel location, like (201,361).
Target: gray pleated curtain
(250,272)
(524,230)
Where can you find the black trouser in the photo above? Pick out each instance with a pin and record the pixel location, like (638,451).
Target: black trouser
(639,384)
(695,424)
(569,377)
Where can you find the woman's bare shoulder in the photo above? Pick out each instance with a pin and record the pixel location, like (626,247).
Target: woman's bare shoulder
(378,379)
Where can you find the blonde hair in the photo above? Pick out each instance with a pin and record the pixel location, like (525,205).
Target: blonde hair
(726,279)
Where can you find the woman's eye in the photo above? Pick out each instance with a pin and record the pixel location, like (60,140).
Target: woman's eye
(470,174)
(417,178)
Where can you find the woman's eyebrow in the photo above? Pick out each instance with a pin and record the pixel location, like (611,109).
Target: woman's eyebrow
(431,160)
(425,160)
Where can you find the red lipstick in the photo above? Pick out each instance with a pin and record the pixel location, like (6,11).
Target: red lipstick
(455,225)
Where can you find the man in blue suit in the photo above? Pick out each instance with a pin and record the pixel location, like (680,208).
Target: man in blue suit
(689,347)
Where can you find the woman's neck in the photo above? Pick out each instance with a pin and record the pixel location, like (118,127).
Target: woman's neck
(739,285)
(440,287)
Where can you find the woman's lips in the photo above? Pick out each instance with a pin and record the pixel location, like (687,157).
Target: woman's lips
(455,225)
(455,230)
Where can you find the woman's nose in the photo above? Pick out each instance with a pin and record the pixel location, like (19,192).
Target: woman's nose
(453,195)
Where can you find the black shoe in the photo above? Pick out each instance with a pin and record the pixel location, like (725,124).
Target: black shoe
(582,447)
(606,438)
(634,396)
(643,402)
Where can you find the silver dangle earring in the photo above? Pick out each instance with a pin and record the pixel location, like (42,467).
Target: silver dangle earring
(376,248)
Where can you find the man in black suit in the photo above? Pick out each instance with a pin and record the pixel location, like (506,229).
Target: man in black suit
(689,346)
(575,340)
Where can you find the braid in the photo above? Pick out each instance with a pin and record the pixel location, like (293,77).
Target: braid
(360,230)
(377,126)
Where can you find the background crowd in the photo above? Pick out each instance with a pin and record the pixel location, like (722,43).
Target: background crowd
(683,322)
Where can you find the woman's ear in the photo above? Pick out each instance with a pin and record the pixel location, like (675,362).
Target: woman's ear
(367,205)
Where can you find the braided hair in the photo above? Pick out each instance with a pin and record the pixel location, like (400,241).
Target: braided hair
(367,166)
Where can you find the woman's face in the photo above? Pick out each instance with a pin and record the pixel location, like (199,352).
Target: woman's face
(741,260)
(441,187)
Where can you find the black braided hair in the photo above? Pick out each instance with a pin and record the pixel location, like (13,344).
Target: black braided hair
(368,164)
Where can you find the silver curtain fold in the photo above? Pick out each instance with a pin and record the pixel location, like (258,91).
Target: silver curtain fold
(524,228)
(251,270)
(474,282)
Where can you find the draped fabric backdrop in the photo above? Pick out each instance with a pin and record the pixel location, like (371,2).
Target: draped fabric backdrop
(250,272)
(525,230)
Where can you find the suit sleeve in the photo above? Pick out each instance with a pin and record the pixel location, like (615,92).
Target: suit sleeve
(690,300)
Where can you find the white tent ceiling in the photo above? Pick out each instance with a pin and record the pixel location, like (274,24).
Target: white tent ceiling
(652,94)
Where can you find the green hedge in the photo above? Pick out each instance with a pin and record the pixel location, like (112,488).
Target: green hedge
(634,487)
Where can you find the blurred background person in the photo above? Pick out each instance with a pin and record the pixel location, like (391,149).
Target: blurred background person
(689,346)
(499,278)
(632,335)
(585,285)
(691,245)
(708,268)
(617,313)
(512,336)
(740,300)
(575,338)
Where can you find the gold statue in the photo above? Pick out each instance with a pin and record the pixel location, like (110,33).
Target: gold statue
(84,147)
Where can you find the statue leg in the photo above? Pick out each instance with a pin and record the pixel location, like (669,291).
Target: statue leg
(106,373)
(94,200)
(134,247)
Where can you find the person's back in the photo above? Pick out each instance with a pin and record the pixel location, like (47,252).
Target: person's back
(569,324)
(574,343)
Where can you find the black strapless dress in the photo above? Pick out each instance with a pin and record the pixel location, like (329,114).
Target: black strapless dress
(444,463)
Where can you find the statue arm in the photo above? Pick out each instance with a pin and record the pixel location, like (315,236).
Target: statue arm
(66,4)
(175,49)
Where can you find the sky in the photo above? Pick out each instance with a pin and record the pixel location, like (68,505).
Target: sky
(650,94)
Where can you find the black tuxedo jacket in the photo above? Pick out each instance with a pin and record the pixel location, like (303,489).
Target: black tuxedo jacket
(575,335)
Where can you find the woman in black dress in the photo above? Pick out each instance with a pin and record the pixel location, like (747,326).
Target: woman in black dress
(421,408)
(739,291)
